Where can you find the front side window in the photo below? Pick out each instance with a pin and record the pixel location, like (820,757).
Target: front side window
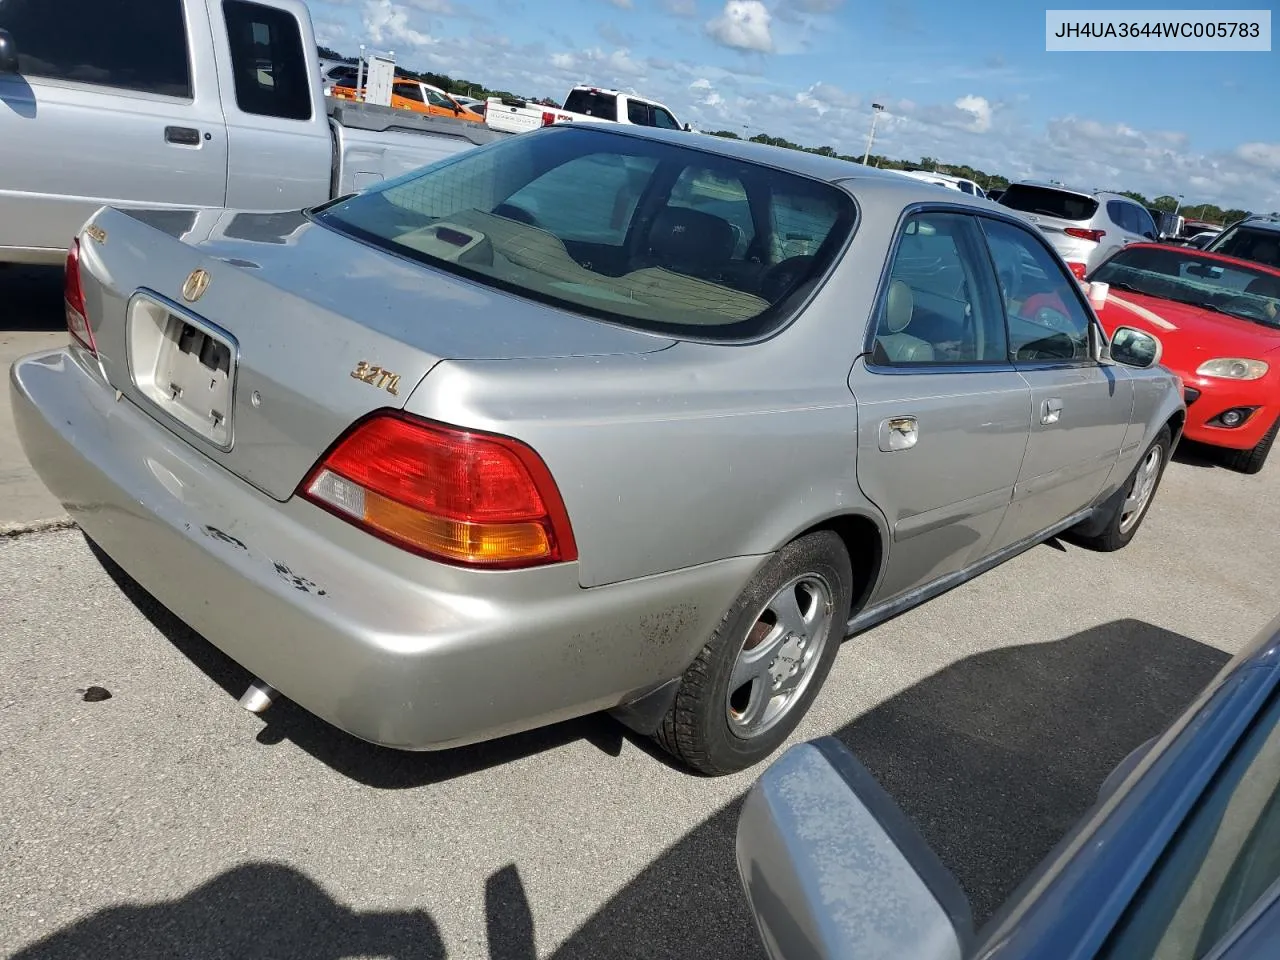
(271,79)
(588,219)
(1223,860)
(1182,274)
(664,120)
(438,99)
(939,306)
(1042,305)
(127,44)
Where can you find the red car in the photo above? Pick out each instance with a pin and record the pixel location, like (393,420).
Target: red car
(1218,318)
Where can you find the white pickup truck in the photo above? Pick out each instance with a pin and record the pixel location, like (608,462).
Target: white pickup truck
(183,105)
(583,104)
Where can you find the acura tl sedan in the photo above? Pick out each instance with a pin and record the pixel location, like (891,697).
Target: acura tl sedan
(595,418)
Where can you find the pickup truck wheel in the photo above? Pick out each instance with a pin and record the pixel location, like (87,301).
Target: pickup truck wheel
(1124,512)
(1251,461)
(755,679)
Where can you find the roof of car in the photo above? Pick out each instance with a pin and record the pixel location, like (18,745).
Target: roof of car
(815,165)
(1265,221)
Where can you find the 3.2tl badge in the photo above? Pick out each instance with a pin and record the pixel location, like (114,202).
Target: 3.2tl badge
(195,285)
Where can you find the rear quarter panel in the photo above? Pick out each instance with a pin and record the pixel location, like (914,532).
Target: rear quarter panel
(698,452)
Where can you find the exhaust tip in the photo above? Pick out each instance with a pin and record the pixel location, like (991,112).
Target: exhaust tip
(259,696)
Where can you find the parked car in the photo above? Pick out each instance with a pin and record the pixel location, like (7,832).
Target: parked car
(1219,320)
(574,429)
(1179,858)
(170,103)
(962,184)
(1084,226)
(582,105)
(416,96)
(1254,238)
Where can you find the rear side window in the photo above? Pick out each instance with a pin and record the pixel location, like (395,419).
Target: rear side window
(593,104)
(1121,216)
(271,78)
(409,91)
(128,44)
(1049,202)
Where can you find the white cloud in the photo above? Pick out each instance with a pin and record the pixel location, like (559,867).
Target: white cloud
(979,109)
(681,8)
(387,25)
(743,25)
(1264,155)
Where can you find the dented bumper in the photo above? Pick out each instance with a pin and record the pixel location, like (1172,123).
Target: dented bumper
(390,647)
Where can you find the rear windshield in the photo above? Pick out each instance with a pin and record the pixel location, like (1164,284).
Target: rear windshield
(1049,202)
(1250,243)
(642,233)
(602,105)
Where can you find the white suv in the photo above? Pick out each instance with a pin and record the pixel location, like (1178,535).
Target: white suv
(1084,226)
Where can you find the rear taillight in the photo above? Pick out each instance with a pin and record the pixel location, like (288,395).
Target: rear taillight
(461,497)
(73,299)
(548,118)
(1082,234)
(1077,269)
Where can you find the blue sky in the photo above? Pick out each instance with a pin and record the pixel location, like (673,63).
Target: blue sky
(966,83)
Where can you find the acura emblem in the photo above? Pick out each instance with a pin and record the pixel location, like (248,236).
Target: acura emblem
(195,286)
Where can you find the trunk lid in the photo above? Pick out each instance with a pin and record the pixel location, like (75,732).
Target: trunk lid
(294,333)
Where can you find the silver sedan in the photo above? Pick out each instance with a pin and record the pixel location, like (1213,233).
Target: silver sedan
(593,418)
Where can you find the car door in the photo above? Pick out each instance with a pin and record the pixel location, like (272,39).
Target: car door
(1080,409)
(281,148)
(1215,891)
(943,416)
(113,103)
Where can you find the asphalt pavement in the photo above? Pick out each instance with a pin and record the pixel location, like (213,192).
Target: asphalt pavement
(164,821)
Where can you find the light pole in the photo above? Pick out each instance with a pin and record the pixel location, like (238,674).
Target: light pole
(876,108)
(1178,205)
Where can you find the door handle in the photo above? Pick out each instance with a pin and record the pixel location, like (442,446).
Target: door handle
(185,136)
(899,433)
(1050,410)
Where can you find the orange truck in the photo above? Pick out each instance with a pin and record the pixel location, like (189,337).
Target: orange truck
(419,97)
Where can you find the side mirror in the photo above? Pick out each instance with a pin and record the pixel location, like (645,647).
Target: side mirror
(833,870)
(688,129)
(8,53)
(1134,348)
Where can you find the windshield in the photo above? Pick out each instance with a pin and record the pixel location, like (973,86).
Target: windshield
(1048,202)
(643,233)
(1182,274)
(1249,243)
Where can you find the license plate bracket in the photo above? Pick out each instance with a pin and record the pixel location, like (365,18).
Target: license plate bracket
(185,366)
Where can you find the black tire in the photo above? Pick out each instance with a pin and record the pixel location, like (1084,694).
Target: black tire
(697,730)
(1109,531)
(1251,461)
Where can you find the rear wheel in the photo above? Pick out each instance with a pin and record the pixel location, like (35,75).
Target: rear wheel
(1251,461)
(1124,512)
(756,677)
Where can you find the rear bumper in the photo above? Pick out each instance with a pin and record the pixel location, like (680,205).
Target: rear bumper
(391,648)
(1213,398)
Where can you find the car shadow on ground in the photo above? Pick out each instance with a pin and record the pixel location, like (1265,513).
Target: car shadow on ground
(1193,454)
(31,298)
(993,757)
